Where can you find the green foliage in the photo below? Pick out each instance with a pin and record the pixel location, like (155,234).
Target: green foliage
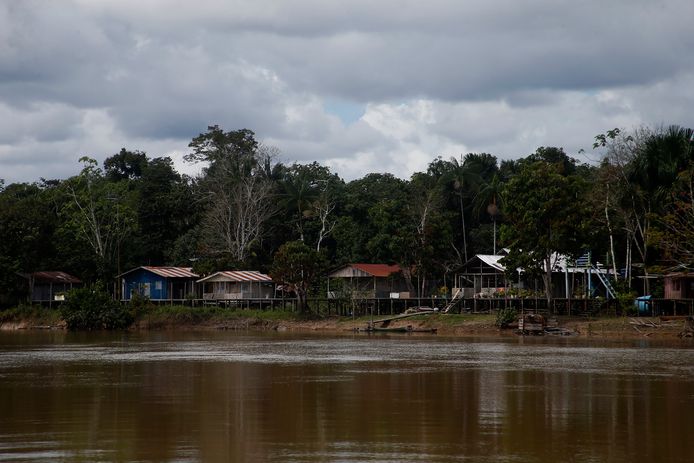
(97,214)
(125,165)
(297,266)
(196,315)
(34,314)
(505,317)
(236,150)
(139,210)
(140,305)
(91,308)
(27,226)
(545,214)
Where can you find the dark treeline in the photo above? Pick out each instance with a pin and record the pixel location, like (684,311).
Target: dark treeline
(634,211)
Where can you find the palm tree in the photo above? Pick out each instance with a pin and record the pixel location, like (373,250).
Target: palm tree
(299,192)
(489,197)
(661,158)
(463,176)
(658,161)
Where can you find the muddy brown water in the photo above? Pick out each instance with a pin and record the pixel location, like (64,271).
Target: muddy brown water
(279,397)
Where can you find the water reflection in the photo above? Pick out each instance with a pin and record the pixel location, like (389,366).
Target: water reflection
(284,398)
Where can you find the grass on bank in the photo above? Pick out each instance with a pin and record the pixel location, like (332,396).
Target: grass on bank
(31,315)
(183,315)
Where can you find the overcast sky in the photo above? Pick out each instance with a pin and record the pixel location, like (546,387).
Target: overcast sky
(362,86)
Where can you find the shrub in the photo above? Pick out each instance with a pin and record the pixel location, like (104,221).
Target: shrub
(506,316)
(91,308)
(140,305)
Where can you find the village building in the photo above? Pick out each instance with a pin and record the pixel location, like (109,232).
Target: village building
(367,281)
(481,276)
(49,286)
(236,285)
(158,283)
(679,285)
(485,276)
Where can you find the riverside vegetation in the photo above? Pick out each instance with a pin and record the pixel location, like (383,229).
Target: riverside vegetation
(92,309)
(634,209)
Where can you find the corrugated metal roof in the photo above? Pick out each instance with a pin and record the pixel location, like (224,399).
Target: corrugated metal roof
(560,263)
(492,261)
(172,272)
(55,277)
(238,275)
(377,270)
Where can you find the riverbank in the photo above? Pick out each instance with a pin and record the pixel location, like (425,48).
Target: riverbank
(216,318)
(483,325)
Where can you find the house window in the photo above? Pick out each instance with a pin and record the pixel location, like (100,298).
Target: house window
(157,285)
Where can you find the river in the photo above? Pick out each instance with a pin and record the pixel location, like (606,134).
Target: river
(282,397)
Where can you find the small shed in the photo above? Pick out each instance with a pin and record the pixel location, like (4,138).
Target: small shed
(369,281)
(48,286)
(679,285)
(236,284)
(158,283)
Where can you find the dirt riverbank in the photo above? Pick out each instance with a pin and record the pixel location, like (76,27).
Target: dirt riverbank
(446,325)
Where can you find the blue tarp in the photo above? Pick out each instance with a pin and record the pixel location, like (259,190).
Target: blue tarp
(643,304)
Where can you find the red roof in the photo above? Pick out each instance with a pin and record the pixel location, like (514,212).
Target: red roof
(377,270)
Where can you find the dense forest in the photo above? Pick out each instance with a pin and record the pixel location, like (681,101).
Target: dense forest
(634,211)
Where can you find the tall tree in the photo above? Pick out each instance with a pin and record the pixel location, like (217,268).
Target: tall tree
(236,190)
(126,165)
(165,211)
(27,225)
(307,196)
(490,199)
(297,266)
(676,236)
(647,163)
(98,212)
(462,175)
(545,217)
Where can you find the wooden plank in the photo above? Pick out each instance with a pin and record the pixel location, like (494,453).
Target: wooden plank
(401,316)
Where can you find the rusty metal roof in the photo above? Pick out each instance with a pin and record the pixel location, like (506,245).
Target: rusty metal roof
(238,275)
(173,272)
(167,272)
(376,270)
(54,277)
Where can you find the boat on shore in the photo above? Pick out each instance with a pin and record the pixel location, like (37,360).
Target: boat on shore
(395,329)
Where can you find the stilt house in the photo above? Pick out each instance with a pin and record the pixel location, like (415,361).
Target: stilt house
(236,284)
(679,285)
(50,286)
(158,283)
(368,281)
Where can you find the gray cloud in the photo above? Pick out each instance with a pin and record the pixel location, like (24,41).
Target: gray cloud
(81,77)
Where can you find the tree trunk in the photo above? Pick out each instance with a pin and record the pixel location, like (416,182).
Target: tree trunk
(547,277)
(609,228)
(629,261)
(462,220)
(301,301)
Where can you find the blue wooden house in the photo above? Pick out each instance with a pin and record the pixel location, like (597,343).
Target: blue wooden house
(158,283)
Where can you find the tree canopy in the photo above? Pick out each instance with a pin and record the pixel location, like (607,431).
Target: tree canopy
(248,210)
